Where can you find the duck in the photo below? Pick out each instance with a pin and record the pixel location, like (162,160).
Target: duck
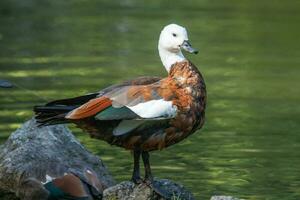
(74,185)
(143,114)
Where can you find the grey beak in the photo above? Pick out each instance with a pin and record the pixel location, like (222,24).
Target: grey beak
(188,47)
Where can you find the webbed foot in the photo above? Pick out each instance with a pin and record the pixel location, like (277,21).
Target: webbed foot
(158,188)
(137,180)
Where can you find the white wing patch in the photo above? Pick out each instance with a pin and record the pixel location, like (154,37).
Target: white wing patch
(154,109)
(48,179)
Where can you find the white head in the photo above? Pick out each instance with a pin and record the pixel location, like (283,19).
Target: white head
(172,39)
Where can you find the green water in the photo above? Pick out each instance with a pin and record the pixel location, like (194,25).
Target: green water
(249,56)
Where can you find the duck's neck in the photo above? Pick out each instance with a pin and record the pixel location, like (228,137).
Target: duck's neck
(169,58)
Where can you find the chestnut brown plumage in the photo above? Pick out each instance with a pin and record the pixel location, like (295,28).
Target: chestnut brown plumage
(74,185)
(184,87)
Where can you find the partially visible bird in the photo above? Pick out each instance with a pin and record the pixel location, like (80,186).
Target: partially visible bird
(144,114)
(74,186)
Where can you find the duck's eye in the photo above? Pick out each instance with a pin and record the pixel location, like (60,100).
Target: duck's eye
(174,34)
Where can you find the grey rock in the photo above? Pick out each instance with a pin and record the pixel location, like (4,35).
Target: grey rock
(129,191)
(5,84)
(31,152)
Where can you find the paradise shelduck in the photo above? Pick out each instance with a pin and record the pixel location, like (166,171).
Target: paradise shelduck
(74,186)
(144,114)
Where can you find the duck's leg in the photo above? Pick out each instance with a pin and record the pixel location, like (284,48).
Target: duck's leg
(148,174)
(136,167)
(149,178)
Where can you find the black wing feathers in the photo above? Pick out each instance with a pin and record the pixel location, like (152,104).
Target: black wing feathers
(55,111)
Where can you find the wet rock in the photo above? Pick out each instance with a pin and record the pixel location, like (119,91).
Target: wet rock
(5,84)
(129,191)
(31,152)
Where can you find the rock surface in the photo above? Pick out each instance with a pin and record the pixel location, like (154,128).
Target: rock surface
(129,191)
(34,152)
(5,84)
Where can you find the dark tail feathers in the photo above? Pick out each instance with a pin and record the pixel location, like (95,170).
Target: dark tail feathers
(50,115)
(55,111)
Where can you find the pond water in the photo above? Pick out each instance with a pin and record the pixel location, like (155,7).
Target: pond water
(249,56)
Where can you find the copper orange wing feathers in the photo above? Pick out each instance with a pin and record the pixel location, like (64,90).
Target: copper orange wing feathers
(90,108)
(140,102)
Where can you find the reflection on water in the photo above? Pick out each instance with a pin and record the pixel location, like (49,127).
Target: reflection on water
(249,55)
